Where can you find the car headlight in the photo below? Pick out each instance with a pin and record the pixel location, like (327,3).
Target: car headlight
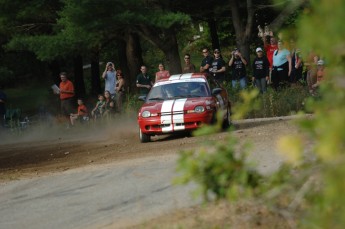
(146,114)
(199,109)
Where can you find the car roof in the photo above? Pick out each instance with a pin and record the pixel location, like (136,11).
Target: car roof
(187,77)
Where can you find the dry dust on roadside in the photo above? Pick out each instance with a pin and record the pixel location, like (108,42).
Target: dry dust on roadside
(57,149)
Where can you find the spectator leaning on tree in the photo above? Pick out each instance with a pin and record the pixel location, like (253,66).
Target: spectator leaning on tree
(238,65)
(109,76)
(218,67)
(206,62)
(261,70)
(188,66)
(144,82)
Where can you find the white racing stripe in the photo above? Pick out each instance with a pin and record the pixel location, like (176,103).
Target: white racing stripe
(179,118)
(166,119)
(172,106)
(186,76)
(174,77)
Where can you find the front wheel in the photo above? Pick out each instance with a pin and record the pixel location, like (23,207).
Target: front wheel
(227,121)
(144,137)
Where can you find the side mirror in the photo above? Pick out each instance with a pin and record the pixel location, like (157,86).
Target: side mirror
(216,91)
(142,98)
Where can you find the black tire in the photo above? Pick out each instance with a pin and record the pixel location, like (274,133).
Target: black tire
(227,121)
(144,137)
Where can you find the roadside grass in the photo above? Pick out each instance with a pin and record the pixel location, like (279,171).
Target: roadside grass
(288,101)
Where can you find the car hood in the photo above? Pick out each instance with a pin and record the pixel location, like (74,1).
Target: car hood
(175,104)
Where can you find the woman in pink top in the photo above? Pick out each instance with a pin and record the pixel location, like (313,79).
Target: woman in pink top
(162,73)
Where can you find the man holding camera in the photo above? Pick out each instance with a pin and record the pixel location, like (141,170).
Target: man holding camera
(109,75)
(238,65)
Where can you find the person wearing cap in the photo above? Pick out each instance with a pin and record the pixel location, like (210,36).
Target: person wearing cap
(218,67)
(260,70)
(206,62)
(109,76)
(238,64)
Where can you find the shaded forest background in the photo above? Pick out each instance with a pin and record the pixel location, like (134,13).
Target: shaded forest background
(41,38)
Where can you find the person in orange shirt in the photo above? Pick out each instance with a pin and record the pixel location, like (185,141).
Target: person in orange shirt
(82,113)
(66,95)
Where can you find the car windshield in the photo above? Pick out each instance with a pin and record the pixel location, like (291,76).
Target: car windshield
(179,90)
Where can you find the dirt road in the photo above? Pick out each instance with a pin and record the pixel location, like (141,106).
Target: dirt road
(100,177)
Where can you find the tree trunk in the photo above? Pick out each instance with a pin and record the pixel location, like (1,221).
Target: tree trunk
(134,58)
(79,84)
(242,27)
(166,41)
(95,75)
(212,24)
(123,62)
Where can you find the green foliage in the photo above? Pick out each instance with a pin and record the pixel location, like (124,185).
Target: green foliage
(288,101)
(327,207)
(220,173)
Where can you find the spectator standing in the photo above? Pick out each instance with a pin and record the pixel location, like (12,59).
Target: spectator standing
(109,76)
(144,82)
(81,114)
(261,70)
(270,48)
(162,73)
(296,63)
(218,67)
(188,66)
(238,65)
(281,66)
(206,62)
(66,95)
(120,91)
(3,99)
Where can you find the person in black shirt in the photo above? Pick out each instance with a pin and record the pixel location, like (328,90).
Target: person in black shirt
(144,82)
(261,70)
(218,67)
(206,62)
(238,64)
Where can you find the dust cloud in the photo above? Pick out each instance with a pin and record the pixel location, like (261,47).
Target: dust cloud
(121,126)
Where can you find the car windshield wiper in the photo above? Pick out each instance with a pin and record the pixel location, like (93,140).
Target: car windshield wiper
(156,98)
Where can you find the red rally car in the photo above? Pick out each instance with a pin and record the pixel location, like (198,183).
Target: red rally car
(182,103)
